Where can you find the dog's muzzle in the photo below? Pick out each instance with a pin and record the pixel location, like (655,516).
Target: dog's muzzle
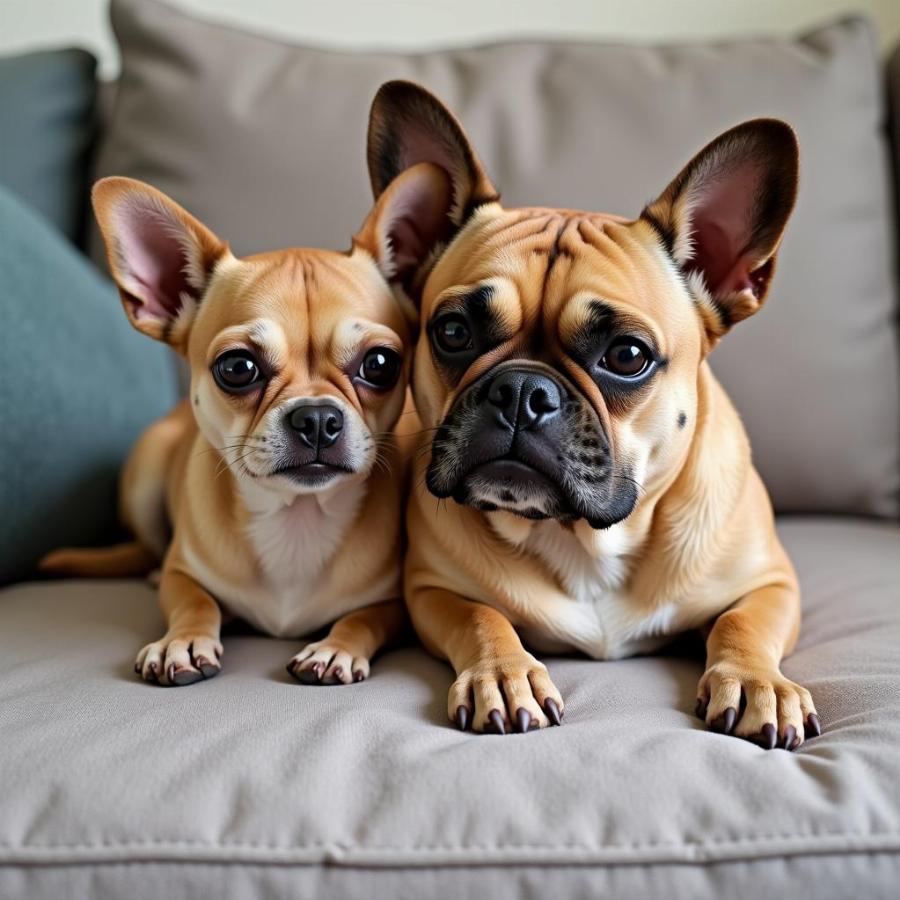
(516,440)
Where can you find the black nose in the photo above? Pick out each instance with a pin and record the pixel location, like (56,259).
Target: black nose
(525,399)
(316,426)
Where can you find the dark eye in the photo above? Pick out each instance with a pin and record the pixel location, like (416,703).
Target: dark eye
(236,371)
(380,367)
(626,358)
(452,333)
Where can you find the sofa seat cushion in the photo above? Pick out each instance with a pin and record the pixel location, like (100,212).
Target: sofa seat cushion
(253,780)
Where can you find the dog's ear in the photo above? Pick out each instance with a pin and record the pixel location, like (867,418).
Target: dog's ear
(723,216)
(160,256)
(408,125)
(409,220)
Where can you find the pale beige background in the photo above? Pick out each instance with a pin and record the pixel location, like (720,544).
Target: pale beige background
(426,23)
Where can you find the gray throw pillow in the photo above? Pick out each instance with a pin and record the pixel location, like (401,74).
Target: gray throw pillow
(270,151)
(78,386)
(46,129)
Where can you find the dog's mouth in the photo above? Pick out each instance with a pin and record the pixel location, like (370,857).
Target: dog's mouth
(312,474)
(515,486)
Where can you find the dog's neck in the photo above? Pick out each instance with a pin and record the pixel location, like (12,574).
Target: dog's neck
(295,535)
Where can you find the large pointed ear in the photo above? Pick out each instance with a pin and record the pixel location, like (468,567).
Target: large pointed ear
(408,224)
(160,256)
(723,216)
(408,125)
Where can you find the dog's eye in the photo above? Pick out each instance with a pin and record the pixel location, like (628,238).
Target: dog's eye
(626,358)
(236,371)
(380,367)
(452,333)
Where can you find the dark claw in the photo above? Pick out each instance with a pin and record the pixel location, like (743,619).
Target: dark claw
(790,737)
(724,723)
(310,675)
(552,711)
(338,673)
(523,720)
(701,708)
(813,727)
(181,677)
(137,668)
(768,737)
(359,675)
(207,668)
(462,717)
(496,720)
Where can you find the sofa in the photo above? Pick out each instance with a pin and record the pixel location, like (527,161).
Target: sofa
(252,785)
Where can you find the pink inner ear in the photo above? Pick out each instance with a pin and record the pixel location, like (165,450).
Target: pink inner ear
(155,262)
(415,218)
(721,230)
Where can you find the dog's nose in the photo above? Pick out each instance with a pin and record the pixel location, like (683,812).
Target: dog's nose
(317,426)
(525,399)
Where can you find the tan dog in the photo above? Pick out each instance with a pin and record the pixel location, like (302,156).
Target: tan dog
(588,484)
(275,490)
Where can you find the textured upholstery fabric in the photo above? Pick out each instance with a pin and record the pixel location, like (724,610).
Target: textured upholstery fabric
(47,126)
(366,791)
(265,142)
(80,386)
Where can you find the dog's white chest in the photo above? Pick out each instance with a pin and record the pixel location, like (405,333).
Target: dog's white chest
(597,616)
(293,544)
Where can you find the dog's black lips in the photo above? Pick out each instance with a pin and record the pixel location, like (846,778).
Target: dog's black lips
(312,472)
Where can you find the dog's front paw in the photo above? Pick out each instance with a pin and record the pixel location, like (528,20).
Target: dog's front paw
(758,704)
(328,662)
(180,659)
(511,693)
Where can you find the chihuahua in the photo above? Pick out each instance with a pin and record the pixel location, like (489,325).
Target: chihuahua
(274,491)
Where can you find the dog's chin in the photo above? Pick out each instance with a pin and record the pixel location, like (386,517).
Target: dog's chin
(518,488)
(311,477)
(514,487)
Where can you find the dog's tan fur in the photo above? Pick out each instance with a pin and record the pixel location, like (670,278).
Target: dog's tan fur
(198,491)
(699,550)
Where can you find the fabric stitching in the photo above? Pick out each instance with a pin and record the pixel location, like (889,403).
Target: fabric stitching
(151,842)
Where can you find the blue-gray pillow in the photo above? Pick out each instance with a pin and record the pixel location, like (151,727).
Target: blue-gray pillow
(78,386)
(47,125)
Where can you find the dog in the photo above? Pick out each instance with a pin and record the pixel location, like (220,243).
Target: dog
(587,484)
(273,492)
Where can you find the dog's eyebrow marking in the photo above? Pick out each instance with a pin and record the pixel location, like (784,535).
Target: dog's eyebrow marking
(666,235)
(682,419)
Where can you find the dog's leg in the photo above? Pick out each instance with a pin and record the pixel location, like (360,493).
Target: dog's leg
(743,691)
(190,649)
(345,654)
(500,687)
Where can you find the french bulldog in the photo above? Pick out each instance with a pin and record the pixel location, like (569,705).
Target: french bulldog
(274,491)
(586,484)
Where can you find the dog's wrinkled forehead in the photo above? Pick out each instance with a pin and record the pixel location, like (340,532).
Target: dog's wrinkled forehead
(540,284)
(310,310)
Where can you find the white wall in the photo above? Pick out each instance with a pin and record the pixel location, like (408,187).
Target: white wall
(422,23)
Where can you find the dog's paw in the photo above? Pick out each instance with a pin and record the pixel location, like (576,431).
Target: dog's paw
(178,660)
(327,662)
(503,695)
(759,705)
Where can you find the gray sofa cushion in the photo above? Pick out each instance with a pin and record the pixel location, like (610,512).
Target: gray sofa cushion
(80,384)
(361,791)
(47,122)
(270,152)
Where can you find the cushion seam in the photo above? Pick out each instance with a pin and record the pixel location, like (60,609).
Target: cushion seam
(569,845)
